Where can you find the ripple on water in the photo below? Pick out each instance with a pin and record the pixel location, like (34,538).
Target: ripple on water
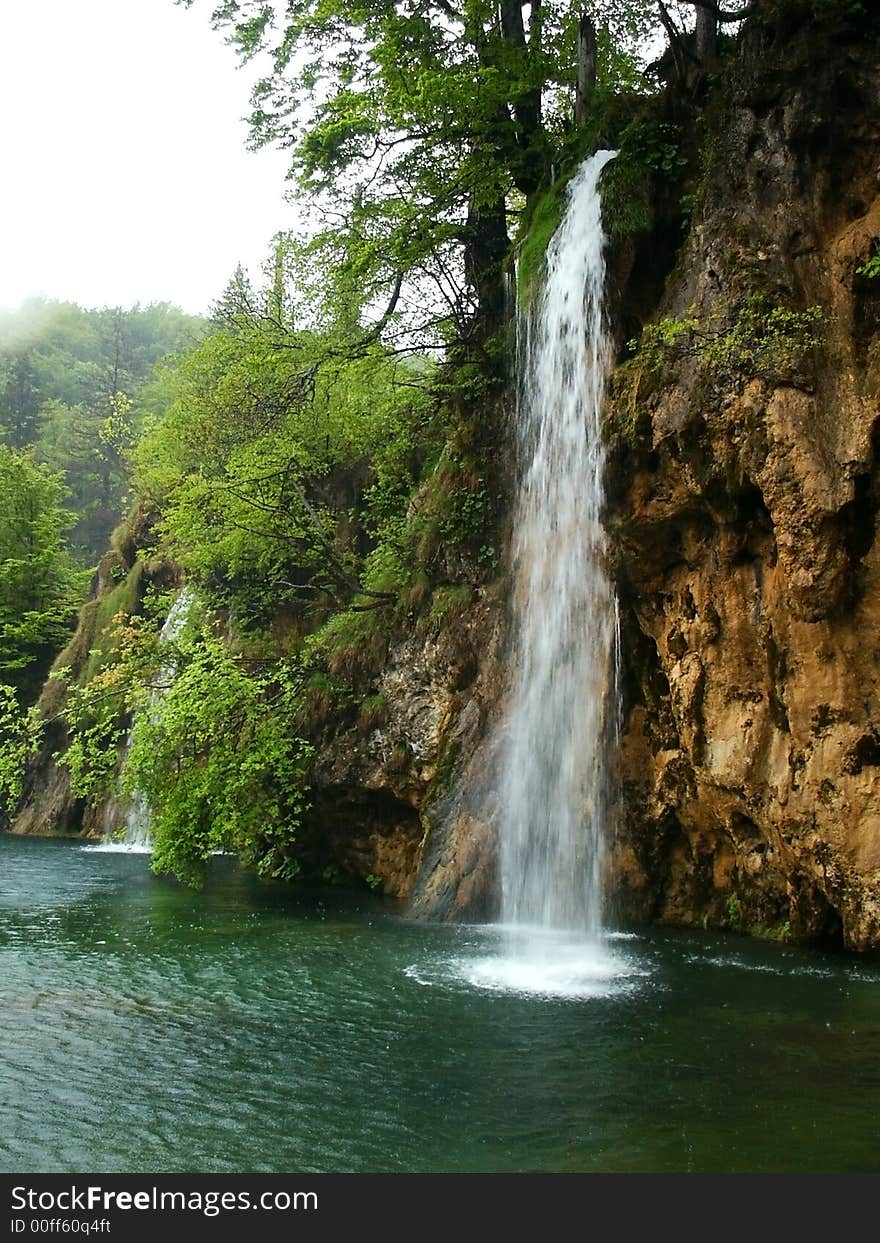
(246,1029)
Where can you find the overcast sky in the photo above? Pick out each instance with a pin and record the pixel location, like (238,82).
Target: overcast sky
(122,149)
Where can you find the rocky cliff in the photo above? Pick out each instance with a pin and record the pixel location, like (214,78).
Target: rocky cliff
(744,496)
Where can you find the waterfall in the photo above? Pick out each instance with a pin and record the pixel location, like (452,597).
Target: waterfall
(136,839)
(561,715)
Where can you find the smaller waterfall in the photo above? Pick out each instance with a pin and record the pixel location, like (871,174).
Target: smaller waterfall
(135,839)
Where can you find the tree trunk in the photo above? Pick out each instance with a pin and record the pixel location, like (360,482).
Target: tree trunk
(586,75)
(706,35)
(486,250)
(527,169)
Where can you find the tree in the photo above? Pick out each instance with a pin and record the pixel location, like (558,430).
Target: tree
(693,54)
(20,398)
(70,381)
(39,587)
(421,127)
(276,462)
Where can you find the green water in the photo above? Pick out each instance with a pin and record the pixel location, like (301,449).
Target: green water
(146,1028)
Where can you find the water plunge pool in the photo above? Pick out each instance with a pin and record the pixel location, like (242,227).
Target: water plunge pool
(249,1028)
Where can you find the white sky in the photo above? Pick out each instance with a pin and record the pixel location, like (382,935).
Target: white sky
(125,176)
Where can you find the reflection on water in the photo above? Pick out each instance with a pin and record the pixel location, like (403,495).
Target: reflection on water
(147,1028)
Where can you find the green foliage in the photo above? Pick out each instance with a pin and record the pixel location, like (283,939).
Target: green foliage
(20,735)
(70,389)
(454,512)
(278,463)
(756,338)
(772,932)
(871,266)
(661,340)
(218,765)
(101,697)
(39,586)
(212,749)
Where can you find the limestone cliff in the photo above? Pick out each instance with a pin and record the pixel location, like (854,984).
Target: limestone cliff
(744,496)
(743,493)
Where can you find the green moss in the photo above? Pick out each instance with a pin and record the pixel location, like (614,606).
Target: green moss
(627,416)
(540,221)
(772,932)
(449,602)
(373,713)
(125,598)
(417,594)
(447,768)
(352,644)
(733,911)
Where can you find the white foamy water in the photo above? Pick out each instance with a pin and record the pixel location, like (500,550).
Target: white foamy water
(561,718)
(136,839)
(565,968)
(543,964)
(120,846)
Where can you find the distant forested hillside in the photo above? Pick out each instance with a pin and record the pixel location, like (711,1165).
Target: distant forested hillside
(74,392)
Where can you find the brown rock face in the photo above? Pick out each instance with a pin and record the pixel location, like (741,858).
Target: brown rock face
(396,802)
(744,485)
(744,516)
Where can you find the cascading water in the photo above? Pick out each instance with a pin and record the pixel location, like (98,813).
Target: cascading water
(554,757)
(560,720)
(136,838)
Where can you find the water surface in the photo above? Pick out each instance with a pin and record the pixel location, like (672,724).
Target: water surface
(245,1028)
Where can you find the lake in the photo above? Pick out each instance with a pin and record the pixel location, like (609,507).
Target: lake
(251,1027)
